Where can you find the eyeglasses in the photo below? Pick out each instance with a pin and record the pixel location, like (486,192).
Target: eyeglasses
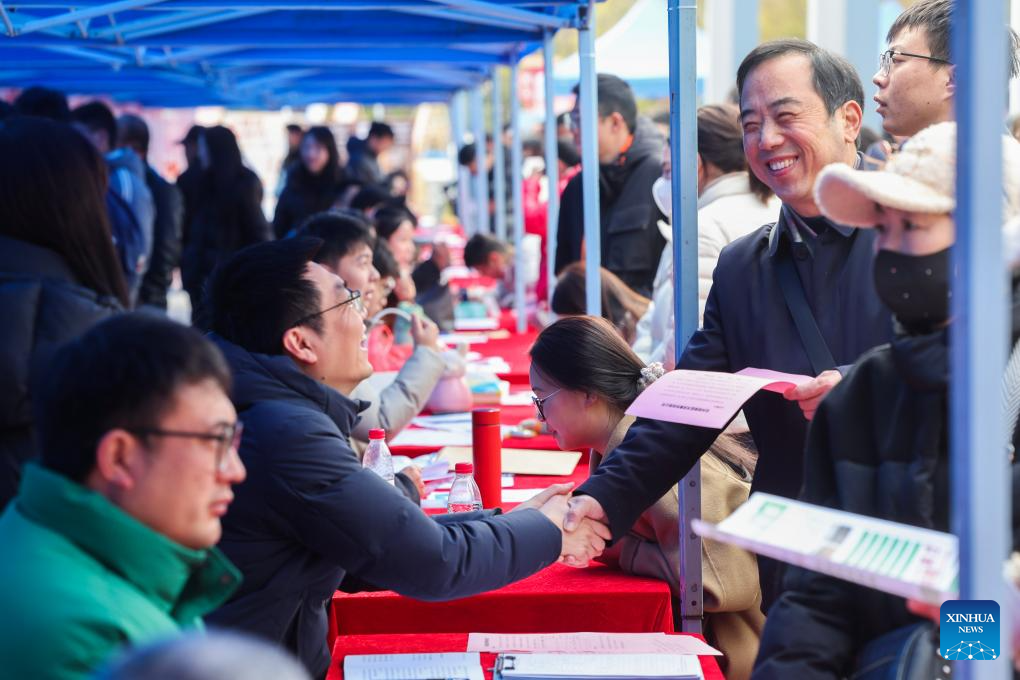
(885,61)
(227,440)
(355,297)
(540,403)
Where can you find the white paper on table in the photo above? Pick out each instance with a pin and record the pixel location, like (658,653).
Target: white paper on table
(412,666)
(475,324)
(413,436)
(707,398)
(450,422)
(519,495)
(506,480)
(899,559)
(674,666)
(454,339)
(516,399)
(428,437)
(590,643)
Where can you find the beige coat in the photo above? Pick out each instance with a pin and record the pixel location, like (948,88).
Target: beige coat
(732,597)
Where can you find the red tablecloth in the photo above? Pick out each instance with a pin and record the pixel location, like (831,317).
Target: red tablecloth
(514,349)
(558,599)
(450,642)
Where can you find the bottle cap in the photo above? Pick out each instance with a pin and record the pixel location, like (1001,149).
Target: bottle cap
(377,433)
(464,468)
(485,416)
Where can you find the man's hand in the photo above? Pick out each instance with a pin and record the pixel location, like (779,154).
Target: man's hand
(584,513)
(414,474)
(541,499)
(581,545)
(809,395)
(424,333)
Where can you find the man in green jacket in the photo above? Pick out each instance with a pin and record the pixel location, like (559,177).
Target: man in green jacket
(109,541)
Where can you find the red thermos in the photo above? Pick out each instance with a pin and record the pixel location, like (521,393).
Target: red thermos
(486,446)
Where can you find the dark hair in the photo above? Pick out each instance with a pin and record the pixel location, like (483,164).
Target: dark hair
(194,133)
(835,79)
(132,131)
(52,194)
(479,247)
(532,147)
(567,152)
(587,354)
(388,219)
(383,260)
(225,164)
(379,129)
(721,143)
(332,174)
(368,197)
(621,306)
(339,233)
(43,102)
(123,373)
(615,96)
(293,127)
(261,291)
(467,154)
(934,17)
(97,117)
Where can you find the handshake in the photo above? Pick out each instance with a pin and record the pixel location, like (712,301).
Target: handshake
(581,521)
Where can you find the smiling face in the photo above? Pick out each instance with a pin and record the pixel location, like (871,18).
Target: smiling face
(788,134)
(339,356)
(916,92)
(358,272)
(575,419)
(401,244)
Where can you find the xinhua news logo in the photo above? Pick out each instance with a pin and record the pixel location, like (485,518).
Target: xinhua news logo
(969,630)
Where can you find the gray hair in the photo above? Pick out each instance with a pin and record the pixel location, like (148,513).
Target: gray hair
(214,656)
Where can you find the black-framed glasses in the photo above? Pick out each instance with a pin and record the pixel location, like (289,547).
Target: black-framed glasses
(355,298)
(540,403)
(885,61)
(229,439)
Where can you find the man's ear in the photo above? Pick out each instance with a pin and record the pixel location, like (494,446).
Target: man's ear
(853,118)
(951,81)
(115,457)
(297,343)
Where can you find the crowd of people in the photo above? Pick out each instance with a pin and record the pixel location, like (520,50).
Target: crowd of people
(159,478)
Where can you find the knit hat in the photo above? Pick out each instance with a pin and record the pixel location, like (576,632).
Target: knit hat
(920,178)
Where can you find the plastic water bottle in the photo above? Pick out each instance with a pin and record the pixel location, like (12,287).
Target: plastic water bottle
(377,456)
(464,494)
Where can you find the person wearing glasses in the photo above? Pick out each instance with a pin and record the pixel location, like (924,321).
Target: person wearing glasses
(916,77)
(309,514)
(109,541)
(347,252)
(585,377)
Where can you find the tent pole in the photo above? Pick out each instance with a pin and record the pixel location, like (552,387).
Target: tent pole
(498,160)
(552,168)
(979,472)
(588,94)
(481,165)
(683,130)
(517,196)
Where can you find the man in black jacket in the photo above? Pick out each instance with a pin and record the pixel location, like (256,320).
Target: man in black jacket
(801,110)
(133,133)
(308,513)
(630,160)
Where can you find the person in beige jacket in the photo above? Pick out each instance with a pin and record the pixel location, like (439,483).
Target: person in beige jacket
(731,203)
(585,377)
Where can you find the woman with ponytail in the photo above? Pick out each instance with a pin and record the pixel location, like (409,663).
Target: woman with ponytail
(585,377)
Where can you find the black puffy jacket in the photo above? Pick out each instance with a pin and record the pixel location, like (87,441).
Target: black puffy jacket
(42,306)
(166,240)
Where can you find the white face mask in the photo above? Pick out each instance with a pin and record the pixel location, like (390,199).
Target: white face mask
(662,193)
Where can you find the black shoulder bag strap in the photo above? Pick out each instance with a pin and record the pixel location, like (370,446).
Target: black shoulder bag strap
(793,292)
